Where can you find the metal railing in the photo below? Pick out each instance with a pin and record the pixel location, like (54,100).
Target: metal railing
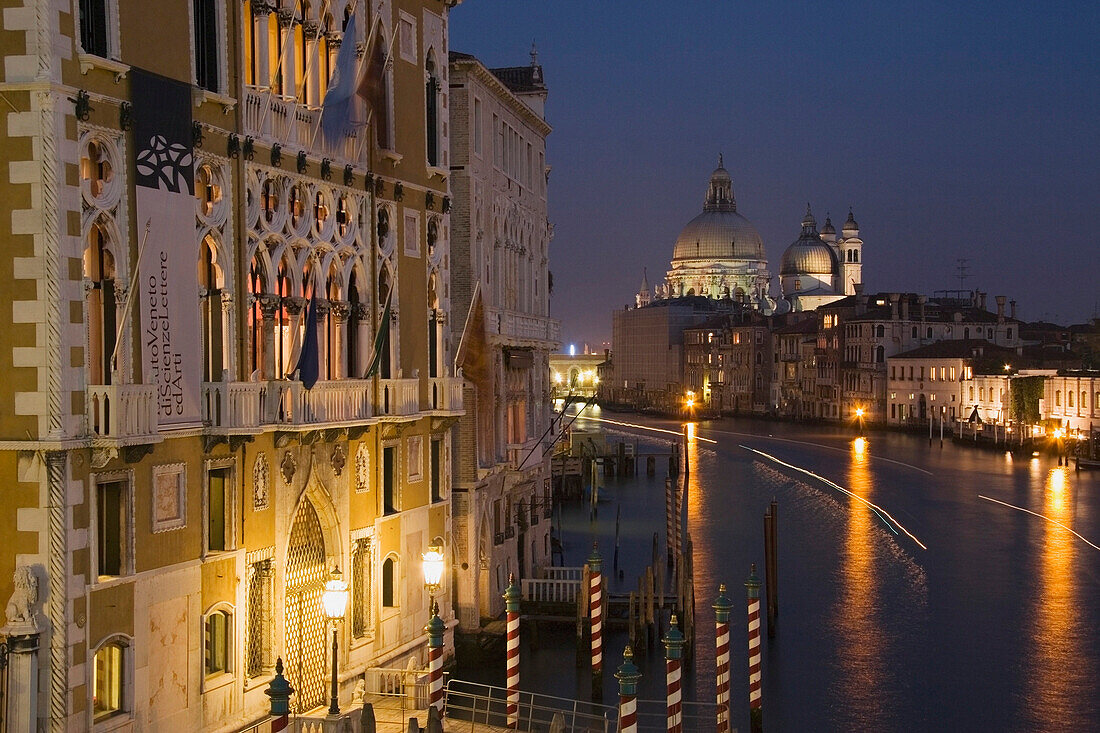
(653,715)
(476,703)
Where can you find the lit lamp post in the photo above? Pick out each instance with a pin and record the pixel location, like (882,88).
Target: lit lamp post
(433,563)
(335,601)
(859,417)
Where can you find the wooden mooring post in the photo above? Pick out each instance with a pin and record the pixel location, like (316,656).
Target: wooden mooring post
(771,567)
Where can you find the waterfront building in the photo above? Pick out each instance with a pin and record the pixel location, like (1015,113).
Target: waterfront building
(1071,398)
(500,289)
(647,367)
(186,253)
(794,382)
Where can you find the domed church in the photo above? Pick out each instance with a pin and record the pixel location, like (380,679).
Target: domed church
(719,254)
(817,268)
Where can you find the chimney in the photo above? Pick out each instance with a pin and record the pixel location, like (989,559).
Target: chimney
(922,300)
(1012,309)
(1000,309)
(981,299)
(607,354)
(905,307)
(894,297)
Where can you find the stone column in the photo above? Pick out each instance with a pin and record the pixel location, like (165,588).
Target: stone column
(269,305)
(323,309)
(339,314)
(260,13)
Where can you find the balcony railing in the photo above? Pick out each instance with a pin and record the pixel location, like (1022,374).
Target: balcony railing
(244,405)
(272,118)
(445,393)
(399,397)
(121,411)
(524,327)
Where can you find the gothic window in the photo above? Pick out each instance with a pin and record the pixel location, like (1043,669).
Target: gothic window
(93,27)
(436,468)
(99,274)
(213,316)
(256,287)
(206,44)
(386,347)
(389,479)
(355,307)
(431,108)
(283,334)
(334,355)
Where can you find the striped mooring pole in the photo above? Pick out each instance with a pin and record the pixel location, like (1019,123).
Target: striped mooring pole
(752,585)
(435,629)
(674,651)
(670,518)
(722,608)
(628,676)
(279,690)
(595,605)
(511,602)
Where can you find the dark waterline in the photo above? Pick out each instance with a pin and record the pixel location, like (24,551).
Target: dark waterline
(992,627)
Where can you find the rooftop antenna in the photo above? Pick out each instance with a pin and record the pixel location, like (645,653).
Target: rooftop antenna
(963,268)
(534,54)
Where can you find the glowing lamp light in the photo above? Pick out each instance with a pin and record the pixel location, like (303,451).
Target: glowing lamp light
(572,350)
(859,412)
(1008,367)
(433,562)
(557,377)
(335,596)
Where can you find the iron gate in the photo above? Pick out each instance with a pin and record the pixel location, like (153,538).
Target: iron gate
(306,640)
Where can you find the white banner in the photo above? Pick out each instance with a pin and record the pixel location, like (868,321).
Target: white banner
(167,275)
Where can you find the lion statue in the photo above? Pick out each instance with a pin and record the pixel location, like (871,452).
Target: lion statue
(20,608)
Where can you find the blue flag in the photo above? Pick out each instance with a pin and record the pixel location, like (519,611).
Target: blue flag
(336,110)
(308,366)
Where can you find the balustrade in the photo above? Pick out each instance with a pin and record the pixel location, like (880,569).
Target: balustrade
(121,411)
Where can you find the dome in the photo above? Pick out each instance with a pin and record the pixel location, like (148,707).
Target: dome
(808,255)
(719,233)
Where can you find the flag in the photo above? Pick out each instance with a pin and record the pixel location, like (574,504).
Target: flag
(472,355)
(336,109)
(381,338)
(308,366)
(372,87)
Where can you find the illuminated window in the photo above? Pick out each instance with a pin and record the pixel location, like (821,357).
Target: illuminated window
(218,631)
(1058,398)
(389,583)
(108,681)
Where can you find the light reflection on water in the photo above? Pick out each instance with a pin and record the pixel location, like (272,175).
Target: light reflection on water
(861,643)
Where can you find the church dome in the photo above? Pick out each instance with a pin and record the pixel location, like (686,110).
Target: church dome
(719,233)
(808,255)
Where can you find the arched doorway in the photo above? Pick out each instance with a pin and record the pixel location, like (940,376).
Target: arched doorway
(306,640)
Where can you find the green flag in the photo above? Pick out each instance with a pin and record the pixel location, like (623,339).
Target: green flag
(380,338)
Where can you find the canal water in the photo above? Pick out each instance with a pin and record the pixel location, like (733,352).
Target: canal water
(920,587)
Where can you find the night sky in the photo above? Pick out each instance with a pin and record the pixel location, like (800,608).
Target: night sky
(952,129)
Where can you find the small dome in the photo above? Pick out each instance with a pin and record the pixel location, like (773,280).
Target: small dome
(808,255)
(851,224)
(828,228)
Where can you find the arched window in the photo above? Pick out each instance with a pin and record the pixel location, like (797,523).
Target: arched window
(880,354)
(283,336)
(213,316)
(1069,398)
(218,642)
(334,354)
(385,348)
(431,102)
(966,332)
(380,96)
(355,367)
(389,582)
(1058,398)
(111,679)
(99,272)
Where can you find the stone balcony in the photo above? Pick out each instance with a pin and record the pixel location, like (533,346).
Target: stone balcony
(241,407)
(272,119)
(523,328)
(123,413)
(398,397)
(445,395)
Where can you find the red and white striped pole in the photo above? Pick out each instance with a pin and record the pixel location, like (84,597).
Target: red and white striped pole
(595,606)
(628,676)
(511,601)
(670,532)
(435,629)
(722,607)
(752,585)
(674,650)
(279,690)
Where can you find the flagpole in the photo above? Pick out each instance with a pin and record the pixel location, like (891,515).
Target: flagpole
(130,296)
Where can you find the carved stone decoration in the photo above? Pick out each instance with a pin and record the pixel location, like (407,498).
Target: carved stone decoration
(260,480)
(339,458)
(362,469)
(288,466)
(24,597)
(102,456)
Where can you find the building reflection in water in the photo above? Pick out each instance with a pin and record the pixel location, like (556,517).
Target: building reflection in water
(861,641)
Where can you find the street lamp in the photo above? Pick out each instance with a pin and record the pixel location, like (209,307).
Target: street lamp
(860,412)
(433,569)
(335,601)
(433,564)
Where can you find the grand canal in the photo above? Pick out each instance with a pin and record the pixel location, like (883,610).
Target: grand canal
(920,587)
